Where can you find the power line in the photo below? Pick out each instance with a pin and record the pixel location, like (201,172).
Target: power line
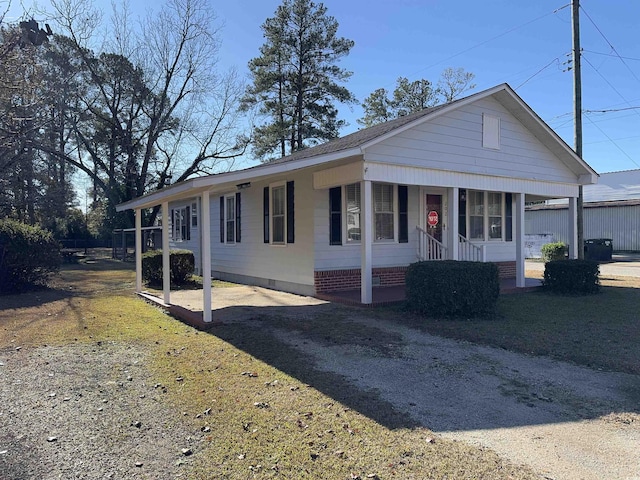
(612,141)
(611,55)
(613,49)
(608,82)
(556,60)
(492,39)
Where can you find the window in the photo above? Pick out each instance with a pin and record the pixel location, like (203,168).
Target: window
(489,216)
(278,213)
(475,206)
(180,224)
(352,207)
(230,219)
(383,211)
(494,205)
(230,209)
(194,214)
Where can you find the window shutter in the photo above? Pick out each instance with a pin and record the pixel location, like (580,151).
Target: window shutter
(187,224)
(403,214)
(335,216)
(462,212)
(238,210)
(265,213)
(172,222)
(290,214)
(222,219)
(508,233)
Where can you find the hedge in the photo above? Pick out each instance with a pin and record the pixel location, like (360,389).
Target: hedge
(553,251)
(29,255)
(452,288)
(578,277)
(181,264)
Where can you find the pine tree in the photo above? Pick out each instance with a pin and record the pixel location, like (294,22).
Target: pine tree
(296,80)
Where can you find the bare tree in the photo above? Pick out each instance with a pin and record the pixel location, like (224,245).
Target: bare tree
(154,111)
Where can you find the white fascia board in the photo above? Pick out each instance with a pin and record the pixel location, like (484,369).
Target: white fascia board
(195,186)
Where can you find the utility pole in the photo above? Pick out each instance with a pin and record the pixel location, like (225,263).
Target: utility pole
(577,114)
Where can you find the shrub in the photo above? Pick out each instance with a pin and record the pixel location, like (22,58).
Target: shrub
(578,277)
(28,256)
(181,264)
(452,288)
(553,251)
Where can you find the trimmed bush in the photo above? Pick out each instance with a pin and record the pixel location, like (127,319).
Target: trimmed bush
(181,263)
(577,277)
(452,288)
(28,256)
(553,251)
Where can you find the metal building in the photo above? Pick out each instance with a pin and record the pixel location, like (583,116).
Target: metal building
(611,210)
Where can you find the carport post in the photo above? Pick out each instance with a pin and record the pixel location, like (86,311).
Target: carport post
(573,228)
(206,257)
(366,292)
(520,278)
(138,214)
(166,272)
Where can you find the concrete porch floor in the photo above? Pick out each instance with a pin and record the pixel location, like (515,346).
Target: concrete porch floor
(241,301)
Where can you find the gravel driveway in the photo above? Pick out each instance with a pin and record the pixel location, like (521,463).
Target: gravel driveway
(565,421)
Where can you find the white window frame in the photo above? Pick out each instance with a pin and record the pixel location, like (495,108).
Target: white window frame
(345,222)
(272,216)
(394,212)
(228,220)
(178,221)
(194,215)
(486,237)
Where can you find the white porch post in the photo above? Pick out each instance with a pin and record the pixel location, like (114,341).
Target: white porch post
(573,228)
(138,214)
(166,272)
(452,222)
(519,220)
(205,254)
(366,237)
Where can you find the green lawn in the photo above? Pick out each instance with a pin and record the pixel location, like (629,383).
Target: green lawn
(601,330)
(268,419)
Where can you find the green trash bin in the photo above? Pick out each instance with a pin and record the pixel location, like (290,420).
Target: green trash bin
(598,249)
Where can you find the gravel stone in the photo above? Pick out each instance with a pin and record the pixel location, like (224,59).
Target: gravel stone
(86,445)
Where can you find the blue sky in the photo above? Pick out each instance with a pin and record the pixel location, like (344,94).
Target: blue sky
(523,43)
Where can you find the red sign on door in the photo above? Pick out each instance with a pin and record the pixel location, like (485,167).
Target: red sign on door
(432,218)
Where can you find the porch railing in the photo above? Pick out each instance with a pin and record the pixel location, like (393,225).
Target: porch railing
(469,251)
(428,247)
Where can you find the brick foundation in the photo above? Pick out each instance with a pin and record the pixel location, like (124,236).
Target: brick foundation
(349,279)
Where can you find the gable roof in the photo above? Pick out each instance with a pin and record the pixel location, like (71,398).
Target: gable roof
(356,143)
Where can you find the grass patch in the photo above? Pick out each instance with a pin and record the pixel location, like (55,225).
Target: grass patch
(263,422)
(601,330)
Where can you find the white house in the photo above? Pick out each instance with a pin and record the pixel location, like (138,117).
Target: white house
(447,182)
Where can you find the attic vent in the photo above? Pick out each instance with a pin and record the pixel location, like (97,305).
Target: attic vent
(490,131)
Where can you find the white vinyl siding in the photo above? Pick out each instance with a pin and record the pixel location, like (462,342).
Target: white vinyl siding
(453,142)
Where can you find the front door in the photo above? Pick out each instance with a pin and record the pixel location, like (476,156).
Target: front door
(435,216)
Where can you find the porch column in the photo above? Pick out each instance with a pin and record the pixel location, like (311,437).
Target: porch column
(452,222)
(573,228)
(166,272)
(519,219)
(138,214)
(366,237)
(205,254)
